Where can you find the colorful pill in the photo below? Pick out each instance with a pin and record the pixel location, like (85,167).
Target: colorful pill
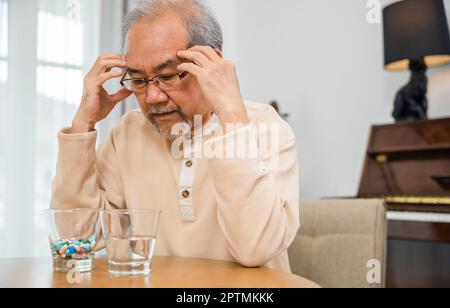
(63,249)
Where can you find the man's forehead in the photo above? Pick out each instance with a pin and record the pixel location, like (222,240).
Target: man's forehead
(153,58)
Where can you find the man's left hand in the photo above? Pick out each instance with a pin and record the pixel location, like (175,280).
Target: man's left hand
(218,80)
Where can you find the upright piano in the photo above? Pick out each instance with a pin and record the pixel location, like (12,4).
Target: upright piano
(408,165)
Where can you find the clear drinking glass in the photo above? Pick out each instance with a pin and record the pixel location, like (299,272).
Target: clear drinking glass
(130,237)
(73,235)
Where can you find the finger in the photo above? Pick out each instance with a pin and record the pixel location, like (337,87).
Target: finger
(107,76)
(121,95)
(190,68)
(207,51)
(195,56)
(111,56)
(107,65)
(106,57)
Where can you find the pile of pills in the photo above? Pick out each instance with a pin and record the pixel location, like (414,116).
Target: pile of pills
(80,249)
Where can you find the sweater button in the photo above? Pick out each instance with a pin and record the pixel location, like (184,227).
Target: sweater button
(185,194)
(189,163)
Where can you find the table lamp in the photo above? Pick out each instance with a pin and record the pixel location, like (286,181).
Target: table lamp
(416,37)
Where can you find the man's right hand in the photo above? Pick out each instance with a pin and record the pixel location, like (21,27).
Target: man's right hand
(96,103)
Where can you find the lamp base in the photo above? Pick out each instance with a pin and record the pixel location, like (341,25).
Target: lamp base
(411,101)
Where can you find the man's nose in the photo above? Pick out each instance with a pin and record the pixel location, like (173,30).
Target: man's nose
(155,95)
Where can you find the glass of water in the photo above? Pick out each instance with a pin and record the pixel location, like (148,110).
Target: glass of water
(130,237)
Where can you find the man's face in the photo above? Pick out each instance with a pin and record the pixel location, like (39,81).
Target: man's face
(151,50)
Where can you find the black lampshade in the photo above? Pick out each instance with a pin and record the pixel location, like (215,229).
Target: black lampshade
(415,29)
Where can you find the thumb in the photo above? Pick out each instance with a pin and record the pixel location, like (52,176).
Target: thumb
(121,95)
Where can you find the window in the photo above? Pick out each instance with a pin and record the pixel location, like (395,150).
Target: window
(59,82)
(64,30)
(55,43)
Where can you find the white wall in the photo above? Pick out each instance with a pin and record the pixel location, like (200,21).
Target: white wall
(226,13)
(323,62)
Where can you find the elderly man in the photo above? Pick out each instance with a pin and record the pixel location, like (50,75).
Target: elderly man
(216,207)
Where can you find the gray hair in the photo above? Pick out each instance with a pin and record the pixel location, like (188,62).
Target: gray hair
(201,25)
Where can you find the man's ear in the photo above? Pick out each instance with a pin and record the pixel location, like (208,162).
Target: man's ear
(219,52)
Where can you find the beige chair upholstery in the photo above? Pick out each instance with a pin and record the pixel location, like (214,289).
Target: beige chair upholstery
(336,241)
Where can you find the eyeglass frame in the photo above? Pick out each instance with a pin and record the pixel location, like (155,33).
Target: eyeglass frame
(148,81)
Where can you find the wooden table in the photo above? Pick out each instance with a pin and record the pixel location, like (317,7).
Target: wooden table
(167,272)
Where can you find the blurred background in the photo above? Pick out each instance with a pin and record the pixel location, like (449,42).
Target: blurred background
(321,60)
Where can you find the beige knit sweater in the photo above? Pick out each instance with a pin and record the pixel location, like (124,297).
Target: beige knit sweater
(217,208)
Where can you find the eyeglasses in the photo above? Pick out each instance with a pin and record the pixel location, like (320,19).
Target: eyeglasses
(164,82)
